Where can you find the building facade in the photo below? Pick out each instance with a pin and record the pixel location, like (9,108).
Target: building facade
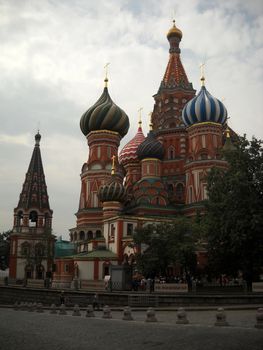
(31,239)
(153,179)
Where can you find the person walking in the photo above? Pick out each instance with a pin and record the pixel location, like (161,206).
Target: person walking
(62,297)
(96,302)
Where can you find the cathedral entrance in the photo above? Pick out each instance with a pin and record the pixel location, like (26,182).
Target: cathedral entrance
(40,272)
(29,271)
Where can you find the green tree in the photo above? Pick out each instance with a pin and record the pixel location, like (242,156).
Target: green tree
(234,219)
(4,249)
(166,244)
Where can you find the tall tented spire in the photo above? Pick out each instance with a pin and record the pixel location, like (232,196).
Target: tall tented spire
(34,190)
(175,76)
(31,238)
(175,89)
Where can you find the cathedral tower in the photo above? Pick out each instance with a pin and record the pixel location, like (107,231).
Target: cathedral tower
(104,124)
(174,92)
(32,242)
(204,117)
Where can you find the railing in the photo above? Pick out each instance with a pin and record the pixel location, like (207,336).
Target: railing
(143,300)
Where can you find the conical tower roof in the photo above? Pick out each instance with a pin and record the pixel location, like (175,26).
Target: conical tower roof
(175,76)
(34,190)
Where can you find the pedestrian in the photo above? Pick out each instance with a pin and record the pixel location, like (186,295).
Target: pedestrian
(96,302)
(152,282)
(62,297)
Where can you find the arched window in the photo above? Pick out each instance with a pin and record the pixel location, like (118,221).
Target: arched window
(40,272)
(29,271)
(39,250)
(179,191)
(204,156)
(47,221)
(98,234)
(94,198)
(20,218)
(98,152)
(171,152)
(33,218)
(82,235)
(190,194)
(90,235)
(205,195)
(170,188)
(25,249)
(112,231)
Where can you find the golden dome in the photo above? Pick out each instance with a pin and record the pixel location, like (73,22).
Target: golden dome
(174,31)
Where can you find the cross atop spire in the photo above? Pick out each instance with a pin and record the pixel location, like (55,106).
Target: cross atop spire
(151,123)
(106,74)
(202,78)
(140,117)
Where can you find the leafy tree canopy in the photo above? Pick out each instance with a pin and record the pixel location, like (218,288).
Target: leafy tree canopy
(234,219)
(4,249)
(166,244)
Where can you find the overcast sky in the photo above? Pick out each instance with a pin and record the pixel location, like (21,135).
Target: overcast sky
(52,54)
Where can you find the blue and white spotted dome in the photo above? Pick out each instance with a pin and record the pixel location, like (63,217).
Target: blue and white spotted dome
(204,108)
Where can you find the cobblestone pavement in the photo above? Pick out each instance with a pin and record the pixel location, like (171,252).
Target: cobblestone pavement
(23,330)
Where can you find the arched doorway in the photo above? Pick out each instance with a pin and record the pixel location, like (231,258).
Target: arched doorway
(29,271)
(40,272)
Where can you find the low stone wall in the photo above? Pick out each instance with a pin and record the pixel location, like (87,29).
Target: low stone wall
(9,295)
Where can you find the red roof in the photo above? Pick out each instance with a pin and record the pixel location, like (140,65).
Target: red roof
(128,153)
(175,72)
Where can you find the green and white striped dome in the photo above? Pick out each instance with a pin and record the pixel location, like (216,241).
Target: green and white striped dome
(105,115)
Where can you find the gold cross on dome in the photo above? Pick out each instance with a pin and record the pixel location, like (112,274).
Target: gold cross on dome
(151,124)
(140,115)
(106,73)
(202,65)
(113,165)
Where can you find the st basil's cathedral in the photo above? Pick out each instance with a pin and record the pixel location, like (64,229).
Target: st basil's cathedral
(152,179)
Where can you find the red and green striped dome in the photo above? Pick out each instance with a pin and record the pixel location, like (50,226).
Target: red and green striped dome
(129,152)
(105,115)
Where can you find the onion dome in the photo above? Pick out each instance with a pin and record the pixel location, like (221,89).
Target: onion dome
(204,108)
(129,152)
(174,31)
(150,148)
(113,191)
(105,115)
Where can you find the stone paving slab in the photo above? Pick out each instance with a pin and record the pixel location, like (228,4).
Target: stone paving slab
(22,330)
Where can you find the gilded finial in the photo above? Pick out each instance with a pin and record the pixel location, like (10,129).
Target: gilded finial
(150,124)
(106,74)
(113,165)
(227,131)
(202,78)
(140,117)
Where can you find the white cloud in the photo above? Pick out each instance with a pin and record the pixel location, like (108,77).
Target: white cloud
(15,139)
(51,66)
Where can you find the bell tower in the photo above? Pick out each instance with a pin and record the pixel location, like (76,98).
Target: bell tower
(32,242)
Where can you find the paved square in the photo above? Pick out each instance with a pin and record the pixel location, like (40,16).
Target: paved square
(23,330)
